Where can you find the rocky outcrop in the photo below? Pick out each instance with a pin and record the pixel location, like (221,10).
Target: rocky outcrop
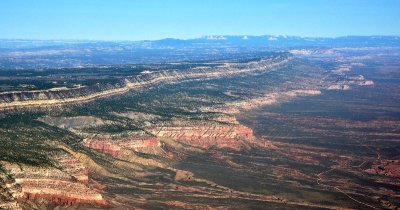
(233,108)
(222,132)
(389,168)
(139,143)
(65,186)
(61,192)
(103,146)
(339,87)
(206,136)
(348,81)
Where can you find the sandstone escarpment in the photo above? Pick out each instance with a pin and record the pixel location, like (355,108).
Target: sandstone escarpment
(113,146)
(223,131)
(67,186)
(103,146)
(61,192)
(53,93)
(206,136)
(9,100)
(232,108)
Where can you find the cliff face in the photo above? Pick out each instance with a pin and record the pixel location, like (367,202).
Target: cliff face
(65,186)
(222,132)
(103,146)
(52,94)
(61,192)
(56,97)
(220,136)
(113,147)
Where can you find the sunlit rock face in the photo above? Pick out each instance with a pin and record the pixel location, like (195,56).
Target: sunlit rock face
(67,186)
(220,136)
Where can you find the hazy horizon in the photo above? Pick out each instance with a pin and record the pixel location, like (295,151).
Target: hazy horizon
(154,20)
(200,37)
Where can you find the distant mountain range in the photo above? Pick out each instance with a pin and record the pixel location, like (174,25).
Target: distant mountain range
(242,40)
(286,41)
(19,53)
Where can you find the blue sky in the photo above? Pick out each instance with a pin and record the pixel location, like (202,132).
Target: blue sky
(157,19)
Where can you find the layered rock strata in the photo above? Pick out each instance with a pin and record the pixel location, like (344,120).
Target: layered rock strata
(144,144)
(62,187)
(206,136)
(9,100)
